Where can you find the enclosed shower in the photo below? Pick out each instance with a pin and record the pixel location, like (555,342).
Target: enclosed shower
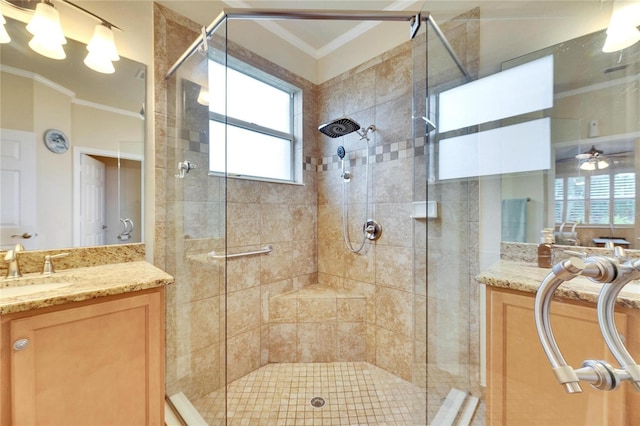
(272,320)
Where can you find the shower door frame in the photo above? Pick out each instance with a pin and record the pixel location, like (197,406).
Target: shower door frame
(414,19)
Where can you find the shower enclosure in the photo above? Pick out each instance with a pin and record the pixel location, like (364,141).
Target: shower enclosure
(272,320)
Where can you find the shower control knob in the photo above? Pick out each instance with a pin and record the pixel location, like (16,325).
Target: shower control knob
(21,344)
(372,229)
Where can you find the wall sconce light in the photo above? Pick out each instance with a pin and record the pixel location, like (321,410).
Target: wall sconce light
(102,50)
(48,37)
(4,36)
(622,31)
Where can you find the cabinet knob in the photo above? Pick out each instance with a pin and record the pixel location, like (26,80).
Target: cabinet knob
(20,344)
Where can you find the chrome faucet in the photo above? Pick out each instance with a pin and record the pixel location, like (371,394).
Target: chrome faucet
(614,274)
(12,258)
(47,267)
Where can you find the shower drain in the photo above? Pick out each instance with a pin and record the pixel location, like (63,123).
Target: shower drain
(317,402)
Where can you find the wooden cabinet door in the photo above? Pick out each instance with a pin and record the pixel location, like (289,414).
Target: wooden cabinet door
(521,388)
(99,364)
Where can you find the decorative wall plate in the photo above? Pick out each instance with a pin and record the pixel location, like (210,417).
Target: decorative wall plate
(56,141)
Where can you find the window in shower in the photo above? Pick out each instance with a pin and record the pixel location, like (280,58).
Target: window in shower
(250,123)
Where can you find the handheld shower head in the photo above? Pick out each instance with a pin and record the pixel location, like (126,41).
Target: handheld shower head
(341,152)
(340,127)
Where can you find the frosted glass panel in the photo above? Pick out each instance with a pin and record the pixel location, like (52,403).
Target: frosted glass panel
(519,90)
(518,148)
(248,153)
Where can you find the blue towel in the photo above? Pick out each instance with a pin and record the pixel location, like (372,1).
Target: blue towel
(514,220)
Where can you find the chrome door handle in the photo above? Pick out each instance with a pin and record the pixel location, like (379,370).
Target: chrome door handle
(26,236)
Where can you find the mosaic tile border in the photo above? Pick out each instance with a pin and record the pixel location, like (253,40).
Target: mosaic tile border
(380,154)
(198,142)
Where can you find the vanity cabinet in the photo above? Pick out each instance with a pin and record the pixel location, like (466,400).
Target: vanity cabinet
(521,388)
(99,362)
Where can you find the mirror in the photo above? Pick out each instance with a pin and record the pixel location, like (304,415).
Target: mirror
(589,195)
(72,148)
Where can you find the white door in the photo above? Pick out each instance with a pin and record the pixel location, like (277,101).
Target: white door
(92,204)
(18,214)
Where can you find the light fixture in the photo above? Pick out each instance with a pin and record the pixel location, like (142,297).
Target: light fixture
(4,35)
(48,37)
(592,160)
(102,50)
(593,164)
(622,31)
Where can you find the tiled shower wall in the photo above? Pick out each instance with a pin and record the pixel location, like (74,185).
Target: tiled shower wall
(379,92)
(301,222)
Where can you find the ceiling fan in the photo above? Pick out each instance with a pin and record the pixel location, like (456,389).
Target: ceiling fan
(592,159)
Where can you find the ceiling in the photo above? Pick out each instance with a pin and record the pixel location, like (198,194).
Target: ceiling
(316,38)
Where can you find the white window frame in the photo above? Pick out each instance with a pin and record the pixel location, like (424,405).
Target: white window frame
(295,95)
(587,197)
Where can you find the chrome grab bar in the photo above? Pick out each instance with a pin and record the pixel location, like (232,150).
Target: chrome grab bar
(265,250)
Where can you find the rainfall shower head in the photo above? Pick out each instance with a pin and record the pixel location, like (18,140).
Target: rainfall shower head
(340,127)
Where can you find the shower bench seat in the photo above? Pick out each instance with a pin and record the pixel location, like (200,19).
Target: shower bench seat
(317,323)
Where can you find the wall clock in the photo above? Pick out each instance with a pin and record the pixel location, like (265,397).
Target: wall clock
(56,141)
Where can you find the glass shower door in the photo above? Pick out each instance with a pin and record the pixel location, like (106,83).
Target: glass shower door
(196,233)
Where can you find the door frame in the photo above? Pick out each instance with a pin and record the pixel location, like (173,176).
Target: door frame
(77,193)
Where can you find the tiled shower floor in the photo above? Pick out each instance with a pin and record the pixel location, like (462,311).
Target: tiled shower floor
(356,393)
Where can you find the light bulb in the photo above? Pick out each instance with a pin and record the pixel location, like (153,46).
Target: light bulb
(99,63)
(102,43)
(48,37)
(622,31)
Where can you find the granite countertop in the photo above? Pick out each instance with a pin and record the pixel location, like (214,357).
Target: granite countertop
(527,277)
(78,284)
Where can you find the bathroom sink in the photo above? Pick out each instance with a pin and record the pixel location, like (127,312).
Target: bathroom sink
(22,290)
(33,283)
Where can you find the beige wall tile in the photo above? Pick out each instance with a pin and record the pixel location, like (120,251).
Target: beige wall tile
(242,219)
(243,272)
(316,310)
(278,265)
(394,311)
(316,342)
(360,266)
(276,223)
(243,311)
(283,310)
(282,343)
(394,267)
(393,353)
(243,354)
(351,341)
(351,309)
(203,322)
(268,292)
(397,224)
